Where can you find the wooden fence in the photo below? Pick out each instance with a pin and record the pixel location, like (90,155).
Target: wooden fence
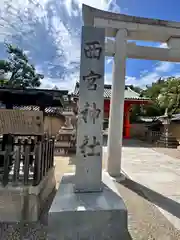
(25,160)
(152,136)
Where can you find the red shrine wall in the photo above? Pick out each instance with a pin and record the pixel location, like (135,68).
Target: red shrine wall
(127,106)
(107,107)
(126,124)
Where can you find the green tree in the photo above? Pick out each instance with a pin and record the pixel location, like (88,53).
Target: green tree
(165,96)
(148,110)
(135,88)
(21,72)
(135,113)
(169,97)
(152,92)
(153,109)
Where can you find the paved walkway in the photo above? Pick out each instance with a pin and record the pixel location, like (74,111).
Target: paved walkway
(145,221)
(157,175)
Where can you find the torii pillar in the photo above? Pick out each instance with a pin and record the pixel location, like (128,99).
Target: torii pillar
(115,132)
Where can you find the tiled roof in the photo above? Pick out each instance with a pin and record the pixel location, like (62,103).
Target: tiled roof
(128,94)
(39,97)
(175,117)
(52,111)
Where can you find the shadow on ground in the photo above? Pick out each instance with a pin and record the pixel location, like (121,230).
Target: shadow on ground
(136,143)
(158,199)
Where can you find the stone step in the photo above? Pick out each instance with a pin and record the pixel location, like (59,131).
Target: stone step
(168,142)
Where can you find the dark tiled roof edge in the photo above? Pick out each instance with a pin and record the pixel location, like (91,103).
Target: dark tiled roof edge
(107,93)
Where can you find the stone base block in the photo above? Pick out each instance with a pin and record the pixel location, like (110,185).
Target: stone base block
(167,142)
(87,216)
(25,203)
(27,230)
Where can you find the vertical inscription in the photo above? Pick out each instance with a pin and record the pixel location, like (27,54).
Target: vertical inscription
(90,111)
(93,49)
(87,148)
(91,102)
(91,80)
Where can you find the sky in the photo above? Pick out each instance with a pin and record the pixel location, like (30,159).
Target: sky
(49,31)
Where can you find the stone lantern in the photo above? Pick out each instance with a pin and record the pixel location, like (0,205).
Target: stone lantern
(167,140)
(166,122)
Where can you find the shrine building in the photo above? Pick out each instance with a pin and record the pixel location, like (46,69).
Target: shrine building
(130,97)
(51,102)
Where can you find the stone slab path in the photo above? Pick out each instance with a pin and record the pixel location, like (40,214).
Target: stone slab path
(157,175)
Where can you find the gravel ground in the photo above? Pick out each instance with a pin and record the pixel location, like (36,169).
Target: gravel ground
(28,231)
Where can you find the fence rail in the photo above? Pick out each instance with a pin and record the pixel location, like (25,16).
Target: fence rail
(152,136)
(25,160)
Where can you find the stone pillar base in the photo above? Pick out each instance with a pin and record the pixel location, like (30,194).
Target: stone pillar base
(98,216)
(167,142)
(24,203)
(21,207)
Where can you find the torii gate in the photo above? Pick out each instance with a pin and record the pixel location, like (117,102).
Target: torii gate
(99,212)
(122,28)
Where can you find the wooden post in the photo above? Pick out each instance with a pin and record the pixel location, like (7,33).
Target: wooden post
(7,159)
(26,161)
(17,164)
(37,164)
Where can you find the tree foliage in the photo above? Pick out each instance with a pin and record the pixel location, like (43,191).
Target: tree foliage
(21,72)
(165,96)
(135,88)
(169,97)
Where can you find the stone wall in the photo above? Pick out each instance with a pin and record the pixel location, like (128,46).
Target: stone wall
(24,203)
(175,129)
(139,129)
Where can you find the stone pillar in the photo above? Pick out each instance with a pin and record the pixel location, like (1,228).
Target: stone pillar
(117,106)
(90,113)
(89,213)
